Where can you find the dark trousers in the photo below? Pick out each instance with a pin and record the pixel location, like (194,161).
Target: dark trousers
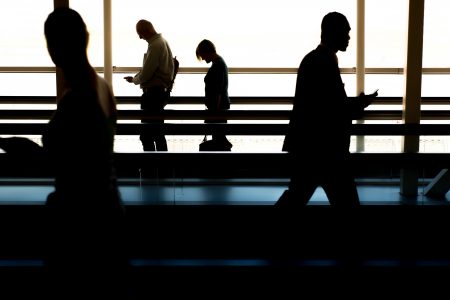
(334,176)
(153,101)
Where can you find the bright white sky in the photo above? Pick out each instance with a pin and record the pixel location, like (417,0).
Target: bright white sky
(247,33)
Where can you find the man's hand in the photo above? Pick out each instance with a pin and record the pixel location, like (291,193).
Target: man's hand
(366,100)
(128,78)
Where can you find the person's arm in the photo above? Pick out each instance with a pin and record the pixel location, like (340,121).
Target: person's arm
(368,99)
(358,104)
(151,63)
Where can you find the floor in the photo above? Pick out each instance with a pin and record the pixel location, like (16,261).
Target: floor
(212,192)
(237,251)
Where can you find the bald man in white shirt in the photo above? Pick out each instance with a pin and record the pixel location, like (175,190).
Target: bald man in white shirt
(155,79)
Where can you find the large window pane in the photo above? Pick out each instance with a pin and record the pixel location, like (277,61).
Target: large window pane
(389,85)
(251,85)
(386,28)
(250,33)
(436,85)
(28,84)
(256,85)
(92,14)
(436,49)
(22,41)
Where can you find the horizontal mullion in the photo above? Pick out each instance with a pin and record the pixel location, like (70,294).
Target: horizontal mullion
(200,100)
(232,70)
(242,129)
(165,115)
(27,100)
(172,114)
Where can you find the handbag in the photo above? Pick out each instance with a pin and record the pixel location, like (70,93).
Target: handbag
(215,145)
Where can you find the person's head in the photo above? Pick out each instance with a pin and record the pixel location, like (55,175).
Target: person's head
(145,29)
(206,51)
(335,31)
(67,37)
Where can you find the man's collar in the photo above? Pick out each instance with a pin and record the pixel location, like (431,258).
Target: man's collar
(154,37)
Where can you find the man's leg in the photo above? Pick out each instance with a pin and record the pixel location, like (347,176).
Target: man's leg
(301,188)
(340,187)
(160,140)
(153,103)
(152,140)
(147,139)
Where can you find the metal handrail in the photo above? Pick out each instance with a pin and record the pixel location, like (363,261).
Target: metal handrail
(247,115)
(242,129)
(236,100)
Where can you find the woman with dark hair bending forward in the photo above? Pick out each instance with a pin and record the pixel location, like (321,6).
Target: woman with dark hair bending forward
(216,91)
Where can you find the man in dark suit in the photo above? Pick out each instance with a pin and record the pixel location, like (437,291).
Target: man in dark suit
(319,130)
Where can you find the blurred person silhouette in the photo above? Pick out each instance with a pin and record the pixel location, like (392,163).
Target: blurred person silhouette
(155,79)
(86,254)
(318,136)
(25,156)
(216,93)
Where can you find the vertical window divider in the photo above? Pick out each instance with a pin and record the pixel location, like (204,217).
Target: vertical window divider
(107,29)
(360,61)
(409,177)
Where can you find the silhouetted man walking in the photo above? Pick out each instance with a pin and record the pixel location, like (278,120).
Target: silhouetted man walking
(319,130)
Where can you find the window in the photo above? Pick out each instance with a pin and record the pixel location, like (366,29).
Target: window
(92,14)
(22,44)
(251,33)
(22,41)
(248,34)
(386,33)
(436,48)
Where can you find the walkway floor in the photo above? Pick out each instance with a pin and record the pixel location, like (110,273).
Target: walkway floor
(212,192)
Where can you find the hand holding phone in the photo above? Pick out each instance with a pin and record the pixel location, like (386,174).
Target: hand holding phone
(367,99)
(374,94)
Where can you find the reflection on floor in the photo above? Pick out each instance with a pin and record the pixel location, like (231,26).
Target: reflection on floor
(212,192)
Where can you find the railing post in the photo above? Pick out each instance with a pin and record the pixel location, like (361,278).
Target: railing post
(413,91)
(107,27)
(360,61)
